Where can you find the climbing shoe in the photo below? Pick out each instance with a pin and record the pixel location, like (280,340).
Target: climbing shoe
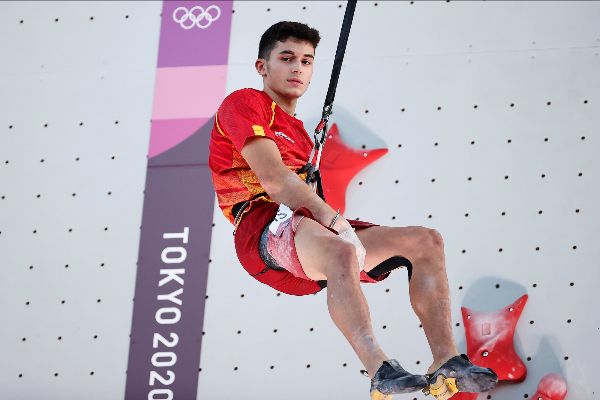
(391,379)
(458,374)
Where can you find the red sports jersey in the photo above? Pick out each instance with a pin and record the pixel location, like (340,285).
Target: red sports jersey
(243,114)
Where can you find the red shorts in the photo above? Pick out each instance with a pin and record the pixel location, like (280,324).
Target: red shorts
(288,278)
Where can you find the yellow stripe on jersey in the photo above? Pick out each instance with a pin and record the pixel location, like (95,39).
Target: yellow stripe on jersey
(218,127)
(273,105)
(258,130)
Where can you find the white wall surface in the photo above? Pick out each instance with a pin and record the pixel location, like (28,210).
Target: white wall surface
(403,62)
(75,106)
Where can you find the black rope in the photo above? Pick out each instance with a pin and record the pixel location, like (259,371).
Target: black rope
(313,175)
(339,56)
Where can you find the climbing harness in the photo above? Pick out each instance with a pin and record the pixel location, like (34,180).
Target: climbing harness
(313,176)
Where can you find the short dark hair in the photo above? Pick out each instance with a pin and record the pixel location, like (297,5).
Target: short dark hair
(283,30)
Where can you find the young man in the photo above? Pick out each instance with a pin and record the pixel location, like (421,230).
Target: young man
(287,237)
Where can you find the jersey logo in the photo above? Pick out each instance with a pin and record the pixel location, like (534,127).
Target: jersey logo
(283,135)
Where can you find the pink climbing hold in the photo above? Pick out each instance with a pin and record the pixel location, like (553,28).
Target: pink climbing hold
(551,387)
(490,339)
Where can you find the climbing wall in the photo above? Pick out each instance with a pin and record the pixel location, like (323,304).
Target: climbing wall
(490,113)
(76,92)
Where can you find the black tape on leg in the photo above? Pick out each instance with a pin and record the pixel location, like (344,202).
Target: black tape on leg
(389,265)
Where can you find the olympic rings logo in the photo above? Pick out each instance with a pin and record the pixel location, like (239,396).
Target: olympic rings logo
(198,16)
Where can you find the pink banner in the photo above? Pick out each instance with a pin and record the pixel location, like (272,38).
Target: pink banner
(168,312)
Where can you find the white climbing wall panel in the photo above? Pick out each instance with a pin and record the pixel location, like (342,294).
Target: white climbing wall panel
(491,113)
(76,91)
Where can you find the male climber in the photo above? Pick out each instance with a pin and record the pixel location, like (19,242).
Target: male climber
(289,238)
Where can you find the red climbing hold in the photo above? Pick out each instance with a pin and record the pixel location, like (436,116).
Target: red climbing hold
(465,396)
(490,340)
(339,164)
(551,387)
